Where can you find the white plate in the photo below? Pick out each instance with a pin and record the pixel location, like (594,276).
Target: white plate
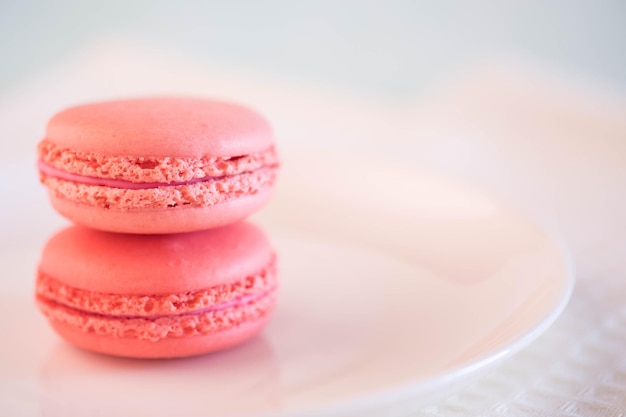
(396,288)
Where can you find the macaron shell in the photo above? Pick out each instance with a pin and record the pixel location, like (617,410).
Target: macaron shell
(171,220)
(155,264)
(165,348)
(161,127)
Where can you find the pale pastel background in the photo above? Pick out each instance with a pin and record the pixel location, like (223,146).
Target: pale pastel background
(526,99)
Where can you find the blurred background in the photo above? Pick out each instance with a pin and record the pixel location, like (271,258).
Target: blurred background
(392,50)
(523,99)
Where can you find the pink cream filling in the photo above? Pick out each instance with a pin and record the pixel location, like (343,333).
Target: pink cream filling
(237,302)
(154,317)
(54,172)
(214,319)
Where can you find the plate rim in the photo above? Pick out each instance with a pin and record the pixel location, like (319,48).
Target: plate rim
(411,389)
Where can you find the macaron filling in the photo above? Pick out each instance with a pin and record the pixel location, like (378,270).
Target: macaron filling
(50,171)
(126,183)
(156,328)
(148,169)
(154,317)
(192,195)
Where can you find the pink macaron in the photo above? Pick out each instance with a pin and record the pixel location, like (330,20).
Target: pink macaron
(157,296)
(158,165)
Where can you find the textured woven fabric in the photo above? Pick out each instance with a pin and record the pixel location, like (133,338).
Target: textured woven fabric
(578,368)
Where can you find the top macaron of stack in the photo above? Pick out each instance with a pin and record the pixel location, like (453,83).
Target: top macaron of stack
(158,165)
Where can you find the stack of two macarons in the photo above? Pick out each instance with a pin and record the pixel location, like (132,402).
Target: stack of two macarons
(160,263)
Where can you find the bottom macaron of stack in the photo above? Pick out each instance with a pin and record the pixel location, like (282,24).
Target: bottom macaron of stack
(157,296)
